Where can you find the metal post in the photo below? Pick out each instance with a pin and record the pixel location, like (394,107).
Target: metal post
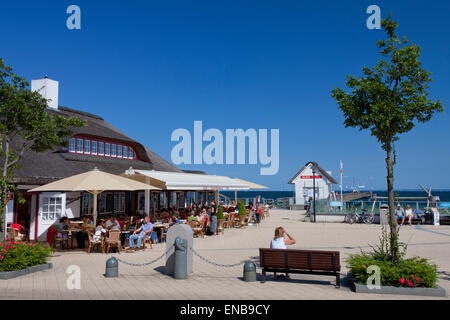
(314,192)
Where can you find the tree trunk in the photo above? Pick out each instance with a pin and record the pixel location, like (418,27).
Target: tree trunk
(392,219)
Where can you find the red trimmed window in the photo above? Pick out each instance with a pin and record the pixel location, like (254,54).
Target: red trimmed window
(101,148)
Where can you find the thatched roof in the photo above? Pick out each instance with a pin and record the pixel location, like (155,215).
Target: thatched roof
(43,167)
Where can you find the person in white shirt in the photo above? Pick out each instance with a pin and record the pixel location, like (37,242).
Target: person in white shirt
(408,213)
(281,240)
(99,230)
(112,224)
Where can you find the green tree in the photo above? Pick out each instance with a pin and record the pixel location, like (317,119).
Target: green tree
(389,100)
(25,124)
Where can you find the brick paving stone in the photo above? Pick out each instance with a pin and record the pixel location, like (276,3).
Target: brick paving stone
(209,282)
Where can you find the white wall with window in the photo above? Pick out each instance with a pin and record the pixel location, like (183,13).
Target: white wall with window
(52,205)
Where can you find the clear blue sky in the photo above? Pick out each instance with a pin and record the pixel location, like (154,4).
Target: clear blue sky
(149,67)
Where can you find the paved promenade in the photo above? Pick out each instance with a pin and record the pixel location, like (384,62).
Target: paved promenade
(212,282)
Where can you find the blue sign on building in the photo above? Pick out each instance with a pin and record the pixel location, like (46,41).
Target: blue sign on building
(444,204)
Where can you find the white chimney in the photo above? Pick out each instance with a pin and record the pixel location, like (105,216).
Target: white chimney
(48,89)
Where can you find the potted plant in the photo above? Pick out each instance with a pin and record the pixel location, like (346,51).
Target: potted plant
(220,219)
(242,214)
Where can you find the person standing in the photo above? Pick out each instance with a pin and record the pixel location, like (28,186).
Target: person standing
(213,224)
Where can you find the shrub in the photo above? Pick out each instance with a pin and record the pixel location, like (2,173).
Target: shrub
(220,213)
(241,209)
(412,272)
(18,255)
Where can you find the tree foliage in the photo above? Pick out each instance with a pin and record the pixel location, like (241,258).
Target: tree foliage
(25,124)
(389,99)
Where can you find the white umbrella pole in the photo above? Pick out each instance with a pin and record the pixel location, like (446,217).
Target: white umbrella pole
(95,208)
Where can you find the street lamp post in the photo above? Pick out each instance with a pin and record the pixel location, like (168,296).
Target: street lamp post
(314,191)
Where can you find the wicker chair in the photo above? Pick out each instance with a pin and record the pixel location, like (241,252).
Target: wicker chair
(145,240)
(95,243)
(63,241)
(197,228)
(113,240)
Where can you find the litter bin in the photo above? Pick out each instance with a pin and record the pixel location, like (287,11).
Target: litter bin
(384,215)
(181,247)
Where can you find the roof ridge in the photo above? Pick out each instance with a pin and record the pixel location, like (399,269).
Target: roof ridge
(83,113)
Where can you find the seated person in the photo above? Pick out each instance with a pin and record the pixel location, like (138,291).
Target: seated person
(145,230)
(173,220)
(281,240)
(408,214)
(400,213)
(192,217)
(100,230)
(418,213)
(63,225)
(86,226)
(112,224)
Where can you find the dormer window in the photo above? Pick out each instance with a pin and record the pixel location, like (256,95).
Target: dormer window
(107,149)
(94,147)
(72,143)
(79,145)
(101,148)
(87,146)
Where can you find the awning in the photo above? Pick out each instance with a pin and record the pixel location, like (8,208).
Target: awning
(251,185)
(94,182)
(185,181)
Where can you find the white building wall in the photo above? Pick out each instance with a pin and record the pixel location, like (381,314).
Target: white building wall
(10,211)
(32,232)
(44,224)
(72,207)
(304,187)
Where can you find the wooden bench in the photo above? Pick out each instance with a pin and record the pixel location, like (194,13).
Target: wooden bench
(300,261)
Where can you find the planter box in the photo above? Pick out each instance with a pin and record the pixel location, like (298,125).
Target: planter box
(14,274)
(429,292)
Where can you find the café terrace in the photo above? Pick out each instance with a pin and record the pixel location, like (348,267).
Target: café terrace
(101,145)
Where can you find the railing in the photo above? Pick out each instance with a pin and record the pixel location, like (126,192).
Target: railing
(323,206)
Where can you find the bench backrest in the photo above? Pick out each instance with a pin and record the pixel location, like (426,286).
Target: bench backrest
(300,259)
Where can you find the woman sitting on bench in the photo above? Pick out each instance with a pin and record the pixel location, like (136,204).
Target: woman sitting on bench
(281,240)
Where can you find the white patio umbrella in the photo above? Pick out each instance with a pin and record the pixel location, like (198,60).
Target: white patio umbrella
(251,185)
(94,182)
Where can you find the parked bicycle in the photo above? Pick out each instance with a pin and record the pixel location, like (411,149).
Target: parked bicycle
(357,217)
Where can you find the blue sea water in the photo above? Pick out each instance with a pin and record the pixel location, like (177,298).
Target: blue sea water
(443,194)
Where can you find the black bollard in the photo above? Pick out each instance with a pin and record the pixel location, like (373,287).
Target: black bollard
(112,268)
(249,271)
